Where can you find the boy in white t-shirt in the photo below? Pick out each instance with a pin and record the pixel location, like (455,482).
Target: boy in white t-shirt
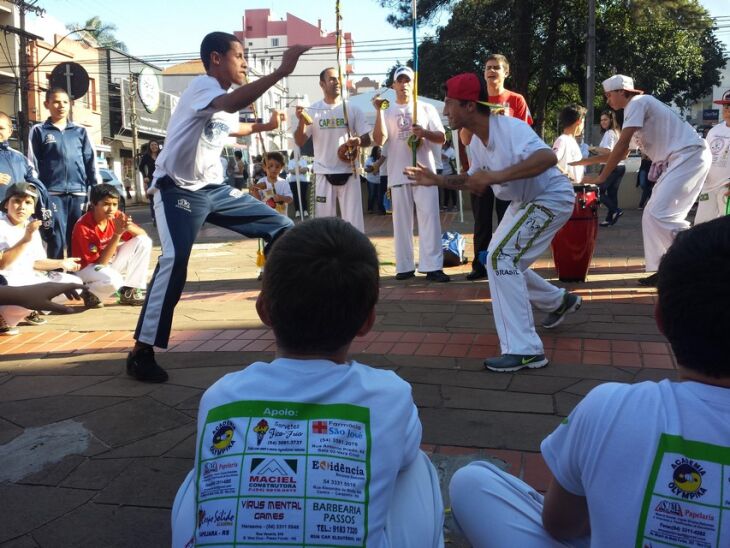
(633,465)
(23,259)
(665,138)
(508,156)
(565,147)
(313,448)
(272,190)
(189,188)
(713,198)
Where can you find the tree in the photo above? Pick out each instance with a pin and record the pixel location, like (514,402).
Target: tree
(102,33)
(669,46)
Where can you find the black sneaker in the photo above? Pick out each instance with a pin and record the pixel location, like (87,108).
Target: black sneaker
(130,296)
(476,273)
(405,275)
(91,300)
(514,362)
(571,303)
(437,276)
(34,318)
(142,366)
(649,281)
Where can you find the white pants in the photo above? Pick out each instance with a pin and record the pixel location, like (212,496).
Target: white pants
(415,518)
(128,268)
(13,315)
(711,205)
(426,201)
(349,196)
(671,199)
(523,235)
(496,509)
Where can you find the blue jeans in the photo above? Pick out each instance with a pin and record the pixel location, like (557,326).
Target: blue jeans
(180,215)
(609,191)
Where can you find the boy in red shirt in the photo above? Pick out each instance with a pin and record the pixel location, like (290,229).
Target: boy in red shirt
(114,252)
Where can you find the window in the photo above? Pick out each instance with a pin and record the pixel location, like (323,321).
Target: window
(274,42)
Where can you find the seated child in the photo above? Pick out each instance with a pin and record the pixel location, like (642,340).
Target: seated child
(23,260)
(114,252)
(312,449)
(641,464)
(271,189)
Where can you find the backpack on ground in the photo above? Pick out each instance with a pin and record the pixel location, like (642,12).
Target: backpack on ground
(453,245)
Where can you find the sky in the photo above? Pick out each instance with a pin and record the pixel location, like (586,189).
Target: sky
(168,29)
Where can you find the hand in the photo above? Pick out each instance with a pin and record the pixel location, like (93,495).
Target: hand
(31,228)
(353,142)
(583,162)
(421,175)
(290,58)
(38,297)
(71,264)
(418,132)
(378,102)
(4,178)
(592,180)
(121,223)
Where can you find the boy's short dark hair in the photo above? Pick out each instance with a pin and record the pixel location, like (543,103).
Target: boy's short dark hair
(501,59)
(101,192)
(570,115)
(320,283)
(321,74)
(276,156)
(52,91)
(238,154)
(219,42)
(694,293)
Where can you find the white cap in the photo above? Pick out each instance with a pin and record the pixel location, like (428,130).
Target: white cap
(401,71)
(620,82)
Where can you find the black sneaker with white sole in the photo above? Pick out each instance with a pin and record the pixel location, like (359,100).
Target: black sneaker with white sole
(142,366)
(571,303)
(514,362)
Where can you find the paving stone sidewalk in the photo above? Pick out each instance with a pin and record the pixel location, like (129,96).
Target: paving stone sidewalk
(89,457)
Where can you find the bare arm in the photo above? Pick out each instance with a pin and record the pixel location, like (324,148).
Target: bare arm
(380,132)
(247,94)
(38,297)
(300,136)
(565,515)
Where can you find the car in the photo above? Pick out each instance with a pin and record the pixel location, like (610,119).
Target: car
(110,178)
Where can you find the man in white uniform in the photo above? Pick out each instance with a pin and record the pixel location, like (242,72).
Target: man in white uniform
(508,156)
(634,464)
(663,136)
(335,179)
(713,202)
(396,125)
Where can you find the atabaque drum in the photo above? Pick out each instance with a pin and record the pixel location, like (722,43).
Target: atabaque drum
(574,244)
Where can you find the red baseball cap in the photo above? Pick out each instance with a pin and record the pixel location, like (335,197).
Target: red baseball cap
(725,99)
(467,87)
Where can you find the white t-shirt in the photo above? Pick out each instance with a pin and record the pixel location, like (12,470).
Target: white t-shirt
(10,235)
(280,187)
(372,177)
(273,434)
(384,165)
(609,140)
(661,131)
(398,124)
(447,154)
(291,169)
(195,137)
(649,459)
(511,141)
(718,139)
(567,150)
(328,132)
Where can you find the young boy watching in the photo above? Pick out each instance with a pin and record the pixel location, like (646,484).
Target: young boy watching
(273,190)
(114,252)
(64,157)
(23,260)
(331,444)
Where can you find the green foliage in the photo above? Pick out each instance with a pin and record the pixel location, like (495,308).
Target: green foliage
(102,33)
(670,47)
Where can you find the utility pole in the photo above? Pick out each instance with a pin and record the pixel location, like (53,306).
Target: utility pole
(22,115)
(590,71)
(138,192)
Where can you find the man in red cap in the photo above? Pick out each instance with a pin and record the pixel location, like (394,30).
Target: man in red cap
(508,157)
(713,201)
(667,139)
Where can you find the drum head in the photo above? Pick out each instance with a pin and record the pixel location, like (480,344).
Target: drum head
(585,188)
